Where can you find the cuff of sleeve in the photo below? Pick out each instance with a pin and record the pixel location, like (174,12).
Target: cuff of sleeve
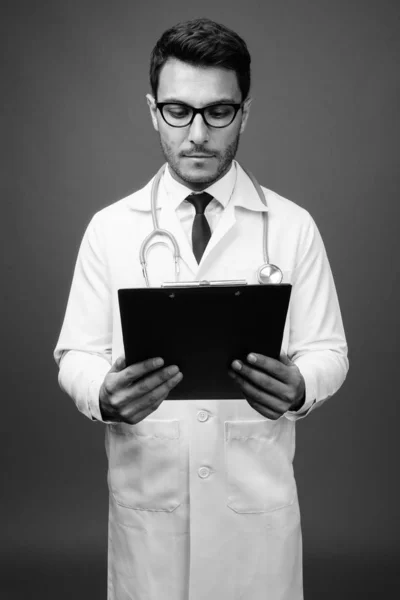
(80,376)
(300,414)
(93,400)
(307,372)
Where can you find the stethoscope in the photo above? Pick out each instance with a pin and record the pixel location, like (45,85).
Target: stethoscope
(267,273)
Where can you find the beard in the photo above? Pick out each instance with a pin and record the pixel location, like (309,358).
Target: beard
(224,158)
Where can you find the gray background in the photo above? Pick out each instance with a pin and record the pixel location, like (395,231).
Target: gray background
(76,136)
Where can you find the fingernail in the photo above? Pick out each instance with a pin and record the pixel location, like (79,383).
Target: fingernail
(237,365)
(173,370)
(158,362)
(252,358)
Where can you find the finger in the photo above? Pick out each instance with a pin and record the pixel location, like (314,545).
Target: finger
(138,370)
(261,379)
(286,360)
(137,417)
(270,365)
(161,391)
(149,383)
(253,394)
(265,412)
(127,391)
(138,410)
(119,365)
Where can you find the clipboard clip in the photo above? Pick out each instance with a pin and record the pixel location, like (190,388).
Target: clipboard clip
(203,283)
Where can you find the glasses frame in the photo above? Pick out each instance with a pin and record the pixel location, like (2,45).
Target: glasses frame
(200,111)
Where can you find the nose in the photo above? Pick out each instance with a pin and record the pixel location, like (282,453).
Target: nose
(198,132)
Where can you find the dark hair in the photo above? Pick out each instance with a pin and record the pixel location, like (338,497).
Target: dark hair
(202,42)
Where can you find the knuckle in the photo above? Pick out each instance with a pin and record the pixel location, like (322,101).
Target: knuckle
(113,401)
(245,370)
(256,394)
(144,387)
(163,376)
(149,364)
(130,415)
(171,372)
(107,385)
(130,419)
(168,373)
(153,397)
(133,420)
(290,396)
(172,382)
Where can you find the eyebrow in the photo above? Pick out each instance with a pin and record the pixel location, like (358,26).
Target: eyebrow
(225,100)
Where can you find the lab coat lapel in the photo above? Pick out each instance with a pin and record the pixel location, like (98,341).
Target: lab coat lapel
(244,196)
(224,227)
(169,221)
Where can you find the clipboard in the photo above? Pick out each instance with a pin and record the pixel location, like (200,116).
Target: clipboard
(202,328)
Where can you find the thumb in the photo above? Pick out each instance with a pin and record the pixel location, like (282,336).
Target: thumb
(119,365)
(286,360)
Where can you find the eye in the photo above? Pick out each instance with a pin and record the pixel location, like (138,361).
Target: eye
(177,111)
(219,112)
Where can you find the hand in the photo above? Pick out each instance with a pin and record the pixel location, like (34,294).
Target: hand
(130,394)
(271,387)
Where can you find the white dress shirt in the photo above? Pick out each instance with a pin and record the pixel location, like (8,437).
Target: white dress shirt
(221,191)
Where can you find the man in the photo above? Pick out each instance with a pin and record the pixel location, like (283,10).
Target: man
(203,501)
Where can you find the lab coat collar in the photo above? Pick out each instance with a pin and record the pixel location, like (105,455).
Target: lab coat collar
(244,193)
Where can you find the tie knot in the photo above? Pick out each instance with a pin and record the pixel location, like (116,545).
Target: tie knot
(200,201)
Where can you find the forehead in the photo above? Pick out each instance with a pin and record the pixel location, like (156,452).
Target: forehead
(196,85)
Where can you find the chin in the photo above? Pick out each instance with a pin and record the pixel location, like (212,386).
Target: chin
(198,175)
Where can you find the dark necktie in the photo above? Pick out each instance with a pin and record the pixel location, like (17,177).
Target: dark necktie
(201,231)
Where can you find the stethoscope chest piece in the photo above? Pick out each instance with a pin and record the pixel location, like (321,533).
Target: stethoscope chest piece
(268,273)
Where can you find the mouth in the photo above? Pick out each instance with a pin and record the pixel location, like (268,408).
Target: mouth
(198,155)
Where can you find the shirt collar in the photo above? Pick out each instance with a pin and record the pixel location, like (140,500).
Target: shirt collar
(175,192)
(244,193)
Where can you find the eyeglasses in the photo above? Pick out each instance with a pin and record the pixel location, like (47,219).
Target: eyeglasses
(182,115)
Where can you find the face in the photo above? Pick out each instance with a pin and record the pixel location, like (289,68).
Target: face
(198,87)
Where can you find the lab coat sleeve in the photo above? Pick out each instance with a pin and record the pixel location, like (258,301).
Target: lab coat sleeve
(83,351)
(317,343)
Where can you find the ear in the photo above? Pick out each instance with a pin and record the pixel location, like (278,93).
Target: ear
(245,113)
(153,110)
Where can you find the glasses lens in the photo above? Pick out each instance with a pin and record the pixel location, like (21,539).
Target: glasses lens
(219,115)
(177,115)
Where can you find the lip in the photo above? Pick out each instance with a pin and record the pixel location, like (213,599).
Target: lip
(198,155)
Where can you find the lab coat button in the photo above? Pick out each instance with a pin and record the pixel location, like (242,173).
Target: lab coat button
(202,416)
(204,472)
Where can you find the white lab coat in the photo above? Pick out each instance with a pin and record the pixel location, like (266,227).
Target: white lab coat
(203,501)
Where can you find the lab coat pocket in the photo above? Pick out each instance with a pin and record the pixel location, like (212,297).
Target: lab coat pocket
(144,465)
(259,467)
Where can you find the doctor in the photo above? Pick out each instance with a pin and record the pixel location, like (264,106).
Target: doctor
(203,501)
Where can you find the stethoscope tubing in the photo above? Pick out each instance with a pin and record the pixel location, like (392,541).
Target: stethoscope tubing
(163,232)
